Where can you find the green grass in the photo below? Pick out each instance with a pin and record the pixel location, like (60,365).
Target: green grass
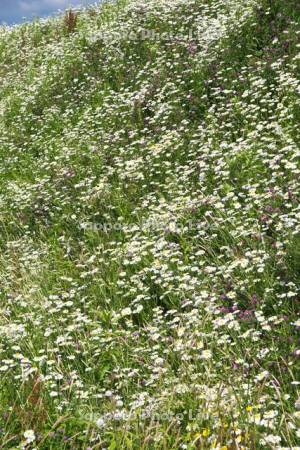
(172,321)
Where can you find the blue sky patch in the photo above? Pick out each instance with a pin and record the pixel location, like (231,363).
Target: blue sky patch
(17,11)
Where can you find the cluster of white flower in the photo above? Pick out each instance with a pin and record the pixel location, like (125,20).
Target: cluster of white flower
(103,331)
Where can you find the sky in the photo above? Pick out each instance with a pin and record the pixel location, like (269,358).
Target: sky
(14,11)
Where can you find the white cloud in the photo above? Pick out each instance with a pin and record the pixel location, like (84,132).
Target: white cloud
(28,6)
(58,3)
(36,6)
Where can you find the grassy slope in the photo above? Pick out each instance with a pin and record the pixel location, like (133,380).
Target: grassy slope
(179,329)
